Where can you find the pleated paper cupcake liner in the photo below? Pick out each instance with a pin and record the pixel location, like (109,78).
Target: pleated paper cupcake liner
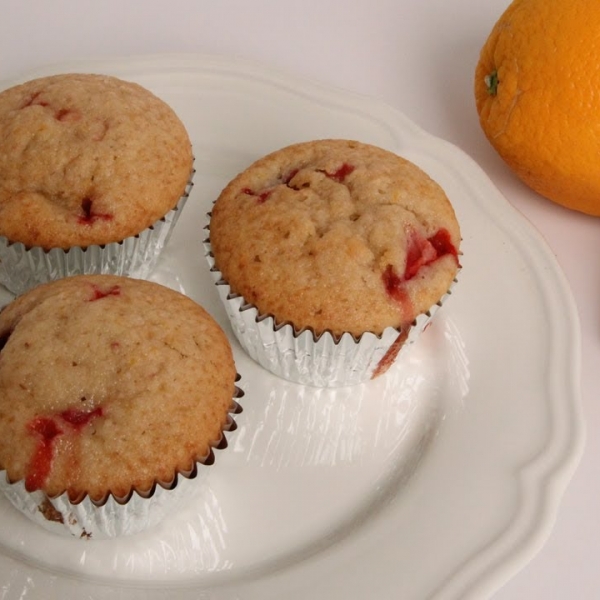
(114,517)
(23,268)
(301,356)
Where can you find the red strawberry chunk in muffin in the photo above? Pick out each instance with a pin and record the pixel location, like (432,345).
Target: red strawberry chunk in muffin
(35,100)
(442,243)
(60,114)
(66,114)
(79,418)
(41,463)
(290,176)
(365,223)
(340,174)
(420,252)
(47,430)
(89,217)
(99,293)
(393,284)
(260,196)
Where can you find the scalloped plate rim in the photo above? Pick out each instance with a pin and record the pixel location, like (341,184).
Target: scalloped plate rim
(547,484)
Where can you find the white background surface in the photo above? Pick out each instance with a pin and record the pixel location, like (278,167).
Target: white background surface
(417,55)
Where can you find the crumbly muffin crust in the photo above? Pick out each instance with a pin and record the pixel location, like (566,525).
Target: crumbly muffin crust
(109,384)
(336,235)
(87,159)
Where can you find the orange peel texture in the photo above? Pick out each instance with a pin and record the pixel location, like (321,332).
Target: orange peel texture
(538,97)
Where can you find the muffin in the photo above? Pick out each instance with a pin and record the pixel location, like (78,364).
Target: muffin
(94,172)
(111,390)
(331,256)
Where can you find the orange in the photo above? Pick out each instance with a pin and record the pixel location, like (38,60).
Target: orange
(537,90)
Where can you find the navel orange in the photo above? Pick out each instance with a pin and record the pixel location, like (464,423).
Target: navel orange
(537,90)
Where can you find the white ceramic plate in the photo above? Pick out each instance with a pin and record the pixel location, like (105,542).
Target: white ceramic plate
(439,480)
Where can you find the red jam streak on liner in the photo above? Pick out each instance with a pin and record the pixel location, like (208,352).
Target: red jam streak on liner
(89,217)
(98,293)
(420,252)
(390,356)
(47,429)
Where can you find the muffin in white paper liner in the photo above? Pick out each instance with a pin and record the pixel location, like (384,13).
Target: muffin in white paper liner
(86,520)
(112,518)
(303,357)
(23,268)
(320,239)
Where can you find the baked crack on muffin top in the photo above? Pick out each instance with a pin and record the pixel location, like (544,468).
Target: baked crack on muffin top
(87,159)
(336,235)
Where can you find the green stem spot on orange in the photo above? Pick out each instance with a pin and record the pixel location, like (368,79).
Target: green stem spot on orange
(491,83)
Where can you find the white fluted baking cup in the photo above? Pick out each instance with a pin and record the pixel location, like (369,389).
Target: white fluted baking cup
(303,357)
(114,517)
(23,268)
(86,520)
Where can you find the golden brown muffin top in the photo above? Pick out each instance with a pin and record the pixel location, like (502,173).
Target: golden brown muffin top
(87,159)
(336,235)
(108,384)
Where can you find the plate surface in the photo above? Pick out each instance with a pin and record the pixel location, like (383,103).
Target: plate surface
(439,480)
